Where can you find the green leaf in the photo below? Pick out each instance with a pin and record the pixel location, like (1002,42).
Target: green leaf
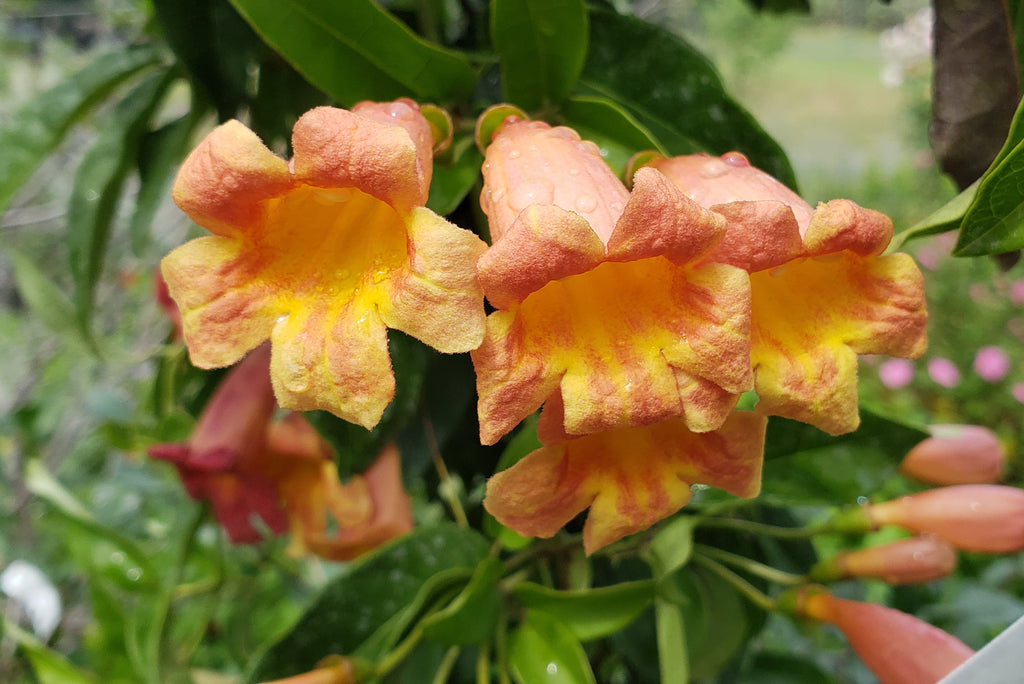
(542,45)
(49,666)
(160,153)
(617,132)
(34,131)
(454,177)
(715,616)
(671,547)
(946,217)
(46,301)
(782,668)
(472,616)
(374,589)
(673,91)
(995,221)
(354,50)
(673,663)
(544,649)
(98,183)
(804,465)
(590,613)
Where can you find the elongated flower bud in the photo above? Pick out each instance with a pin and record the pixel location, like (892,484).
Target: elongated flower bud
(956,454)
(899,648)
(988,518)
(907,561)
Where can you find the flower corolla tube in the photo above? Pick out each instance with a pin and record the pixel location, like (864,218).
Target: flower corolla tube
(822,292)
(322,254)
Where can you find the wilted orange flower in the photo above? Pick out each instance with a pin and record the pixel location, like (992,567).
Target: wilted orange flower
(956,454)
(330,670)
(220,461)
(822,293)
(322,254)
(905,561)
(630,478)
(899,648)
(607,300)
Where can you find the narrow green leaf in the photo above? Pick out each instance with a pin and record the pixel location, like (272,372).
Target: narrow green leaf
(673,663)
(804,465)
(590,613)
(544,649)
(473,615)
(946,217)
(374,589)
(354,50)
(49,666)
(673,91)
(98,183)
(542,45)
(617,132)
(34,131)
(46,301)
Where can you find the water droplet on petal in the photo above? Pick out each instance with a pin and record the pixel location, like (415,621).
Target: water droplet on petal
(736,159)
(574,171)
(585,203)
(536,191)
(515,154)
(714,168)
(296,378)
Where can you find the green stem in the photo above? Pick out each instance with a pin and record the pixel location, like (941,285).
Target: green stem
(483,664)
(752,593)
(763,529)
(447,489)
(399,653)
(752,566)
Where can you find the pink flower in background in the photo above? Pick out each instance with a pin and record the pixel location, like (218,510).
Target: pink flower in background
(991,363)
(1018,392)
(896,373)
(1017,292)
(943,371)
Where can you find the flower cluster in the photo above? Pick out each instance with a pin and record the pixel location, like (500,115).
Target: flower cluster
(636,316)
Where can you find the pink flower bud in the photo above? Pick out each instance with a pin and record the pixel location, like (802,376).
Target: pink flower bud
(907,561)
(899,648)
(978,517)
(956,454)
(944,372)
(991,364)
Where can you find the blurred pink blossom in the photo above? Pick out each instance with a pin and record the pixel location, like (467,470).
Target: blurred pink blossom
(943,371)
(1018,391)
(896,373)
(1017,292)
(991,364)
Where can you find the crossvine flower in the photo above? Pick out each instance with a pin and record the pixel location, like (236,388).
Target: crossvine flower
(322,254)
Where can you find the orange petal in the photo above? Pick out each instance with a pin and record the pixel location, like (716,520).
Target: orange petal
(545,243)
(629,478)
(333,361)
(223,185)
(335,148)
(760,234)
(812,317)
(842,224)
(437,299)
(659,220)
(529,162)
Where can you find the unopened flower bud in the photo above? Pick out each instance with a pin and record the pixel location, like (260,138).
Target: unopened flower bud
(956,454)
(980,517)
(899,648)
(907,561)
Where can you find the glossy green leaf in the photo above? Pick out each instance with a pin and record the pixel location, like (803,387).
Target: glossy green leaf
(542,45)
(160,153)
(355,50)
(455,176)
(995,221)
(32,132)
(673,91)
(472,616)
(804,465)
(98,183)
(590,613)
(946,217)
(360,601)
(671,546)
(673,661)
(617,132)
(543,649)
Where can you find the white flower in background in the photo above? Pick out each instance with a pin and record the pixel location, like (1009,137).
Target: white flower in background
(906,47)
(33,591)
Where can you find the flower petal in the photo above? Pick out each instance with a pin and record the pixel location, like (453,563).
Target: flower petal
(842,224)
(659,220)
(224,183)
(545,243)
(760,234)
(336,148)
(812,318)
(630,478)
(334,361)
(437,299)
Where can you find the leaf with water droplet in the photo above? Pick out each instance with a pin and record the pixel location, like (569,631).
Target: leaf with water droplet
(543,649)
